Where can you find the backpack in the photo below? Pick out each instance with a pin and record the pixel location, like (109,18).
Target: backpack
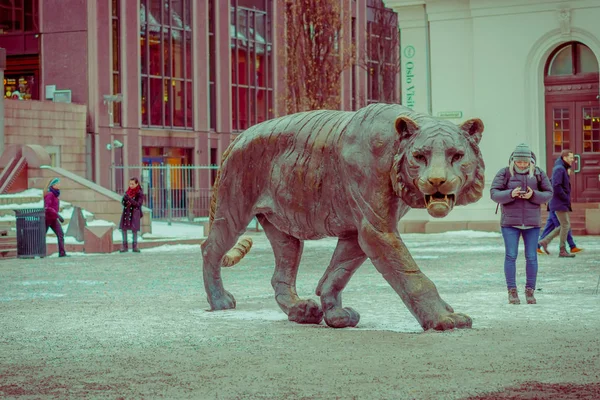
(538,177)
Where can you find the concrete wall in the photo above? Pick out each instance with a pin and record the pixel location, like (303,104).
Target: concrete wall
(49,124)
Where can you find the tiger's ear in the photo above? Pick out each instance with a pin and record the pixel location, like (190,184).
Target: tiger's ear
(474,128)
(406,127)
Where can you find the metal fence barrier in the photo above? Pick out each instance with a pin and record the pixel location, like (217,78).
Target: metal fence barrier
(31,232)
(172,192)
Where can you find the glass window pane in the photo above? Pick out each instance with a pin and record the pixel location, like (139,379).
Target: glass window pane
(155,49)
(177,54)
(116,105)
(178,104)
(156,102)
(255,4)
(115,8)
(213,108)
(243,108)
(586,60)
(168,100)
(155,11)
(261,105)
(144,101)
(31,15)
(177,13)
(562,63)
(115,45)
(167,54)
(188,55)
(189,116)
(235,110)
(143,53)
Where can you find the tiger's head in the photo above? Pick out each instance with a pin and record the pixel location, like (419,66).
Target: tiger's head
(438,164)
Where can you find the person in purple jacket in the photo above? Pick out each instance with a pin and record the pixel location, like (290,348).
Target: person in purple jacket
(521,196)
(53,218)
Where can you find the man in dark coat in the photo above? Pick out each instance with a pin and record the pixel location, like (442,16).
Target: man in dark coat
(561,202)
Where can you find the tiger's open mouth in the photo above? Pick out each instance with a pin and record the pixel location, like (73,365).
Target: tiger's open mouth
(439,204)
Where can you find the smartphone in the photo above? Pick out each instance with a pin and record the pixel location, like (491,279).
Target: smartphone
(522,191)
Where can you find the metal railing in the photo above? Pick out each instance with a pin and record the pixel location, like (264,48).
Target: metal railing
(172,192)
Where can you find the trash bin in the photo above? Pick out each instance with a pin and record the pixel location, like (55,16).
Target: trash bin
(31,232)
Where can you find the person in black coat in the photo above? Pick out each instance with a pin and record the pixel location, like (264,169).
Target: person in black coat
(132,213)
(561,202)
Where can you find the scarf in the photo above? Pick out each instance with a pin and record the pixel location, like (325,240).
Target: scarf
(55,191)
(132,192)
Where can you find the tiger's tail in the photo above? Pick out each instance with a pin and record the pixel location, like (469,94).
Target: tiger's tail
(244,244)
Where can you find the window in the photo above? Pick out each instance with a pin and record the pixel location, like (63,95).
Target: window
(212,66)
(382,53)
(18,16)
(166,58)
(572,59)
(116,59)
(20,87)
(251,47)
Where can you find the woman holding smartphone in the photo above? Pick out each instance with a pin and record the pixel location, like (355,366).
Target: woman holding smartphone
(521,188)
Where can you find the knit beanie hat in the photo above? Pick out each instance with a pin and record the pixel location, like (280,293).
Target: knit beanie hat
(53,182)
(522,153)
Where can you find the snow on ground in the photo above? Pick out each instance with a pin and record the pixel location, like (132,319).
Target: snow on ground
(25,193)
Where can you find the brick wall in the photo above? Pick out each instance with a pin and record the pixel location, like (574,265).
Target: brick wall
(49,124)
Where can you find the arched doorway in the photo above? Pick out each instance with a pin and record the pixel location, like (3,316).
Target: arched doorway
(573,116)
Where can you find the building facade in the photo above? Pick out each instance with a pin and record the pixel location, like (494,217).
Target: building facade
(528,69)
(170,81)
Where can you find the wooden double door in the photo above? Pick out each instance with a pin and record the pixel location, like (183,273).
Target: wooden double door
(575,125)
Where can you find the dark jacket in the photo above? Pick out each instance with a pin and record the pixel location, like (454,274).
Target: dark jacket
(517,211)
(561,185)
(132,212)
(52,205)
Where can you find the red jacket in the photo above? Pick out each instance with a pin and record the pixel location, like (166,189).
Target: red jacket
(51,204)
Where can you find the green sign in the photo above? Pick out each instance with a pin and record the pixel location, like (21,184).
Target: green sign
(450,114)
(409,75)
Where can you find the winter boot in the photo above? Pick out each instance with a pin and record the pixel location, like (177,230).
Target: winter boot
(135,248)
(529,296)
(513,296)
(544,246)
(565,253)
(123,248)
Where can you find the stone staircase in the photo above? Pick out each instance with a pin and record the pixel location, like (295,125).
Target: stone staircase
(578,217)
(31,198)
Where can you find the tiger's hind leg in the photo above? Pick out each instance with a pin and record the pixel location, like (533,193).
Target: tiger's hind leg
(347,257)
(288,251)
(223,235)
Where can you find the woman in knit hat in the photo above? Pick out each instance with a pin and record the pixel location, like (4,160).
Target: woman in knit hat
(53,218)
(521,188)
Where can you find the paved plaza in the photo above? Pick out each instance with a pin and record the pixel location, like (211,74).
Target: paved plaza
(136,326)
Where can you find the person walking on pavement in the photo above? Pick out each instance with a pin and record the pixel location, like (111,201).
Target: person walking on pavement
(551,224)
(561,203)
(52,206)
(521,188)
(132,214)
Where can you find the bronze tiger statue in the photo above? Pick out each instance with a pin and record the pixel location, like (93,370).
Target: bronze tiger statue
(350,175)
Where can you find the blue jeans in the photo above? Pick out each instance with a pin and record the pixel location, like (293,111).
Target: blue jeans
(511,243)
(553,223)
